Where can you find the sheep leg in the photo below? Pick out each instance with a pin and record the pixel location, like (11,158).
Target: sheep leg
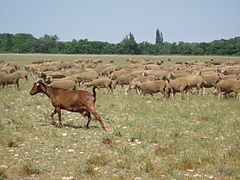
(152,96)
(187,93)
(17,83)
(203,91)
(138,91)
(225,95)
(219,95)
(183,93)
(111,88)
(172,94)
(126,91)
(54,112)
(182,96)
(238,95)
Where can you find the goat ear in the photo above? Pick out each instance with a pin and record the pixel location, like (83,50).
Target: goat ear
(39,81)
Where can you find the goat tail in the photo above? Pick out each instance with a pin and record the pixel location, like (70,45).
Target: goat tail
(94,93)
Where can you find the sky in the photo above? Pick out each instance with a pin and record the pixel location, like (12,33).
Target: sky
(111,20)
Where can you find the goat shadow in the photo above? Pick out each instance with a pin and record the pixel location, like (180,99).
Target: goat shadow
(73,126)
(79,127)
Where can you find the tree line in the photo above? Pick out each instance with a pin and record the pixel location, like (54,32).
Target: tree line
(27,43)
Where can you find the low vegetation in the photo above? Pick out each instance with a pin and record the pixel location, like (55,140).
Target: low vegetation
(146,138)
(27,43)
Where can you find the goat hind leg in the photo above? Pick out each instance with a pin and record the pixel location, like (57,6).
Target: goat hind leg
(89,120)
(99,119)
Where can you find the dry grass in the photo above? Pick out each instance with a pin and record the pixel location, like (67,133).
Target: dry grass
(146,139)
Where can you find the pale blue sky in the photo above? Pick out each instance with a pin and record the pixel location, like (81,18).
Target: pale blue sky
(111,20)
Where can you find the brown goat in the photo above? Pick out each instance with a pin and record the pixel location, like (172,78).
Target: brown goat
(71,100)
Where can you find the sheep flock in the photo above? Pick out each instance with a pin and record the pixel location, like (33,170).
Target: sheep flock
(144,77)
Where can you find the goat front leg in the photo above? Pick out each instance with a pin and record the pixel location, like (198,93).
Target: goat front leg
(52,114)
(59,117)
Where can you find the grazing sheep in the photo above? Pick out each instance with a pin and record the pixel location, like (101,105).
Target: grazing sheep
(160,62)
(97,61)
(179,62)
(227,86)
(65,84)
(71,100)
(50,79)
(158,74)
(151,67)
(231,70)
(132,61)
(92,66)
(180,85)
(229,76)
(109,70)
(86,76)
(215,62)
(50,74)
(77,61)
(100,83)
(40,61)
(31,68)
(178,74)
(8,69)
(196,81)
(152,87)
(117,74)
(73,72)
(15,66)
(2,78)
(7,79)
(210,80)
(22,74)
(123,80)
(100,69)
(137,72)
(142,79)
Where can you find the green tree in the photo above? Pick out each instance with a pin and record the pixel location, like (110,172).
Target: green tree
(128,45)
(159,37)
(25,43)
(48,44)
(6,42)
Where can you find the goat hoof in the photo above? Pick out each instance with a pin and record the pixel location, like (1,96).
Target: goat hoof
(54,123)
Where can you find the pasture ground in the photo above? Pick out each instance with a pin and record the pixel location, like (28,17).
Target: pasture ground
(145,138)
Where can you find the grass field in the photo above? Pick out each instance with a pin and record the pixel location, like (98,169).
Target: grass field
(145,138)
